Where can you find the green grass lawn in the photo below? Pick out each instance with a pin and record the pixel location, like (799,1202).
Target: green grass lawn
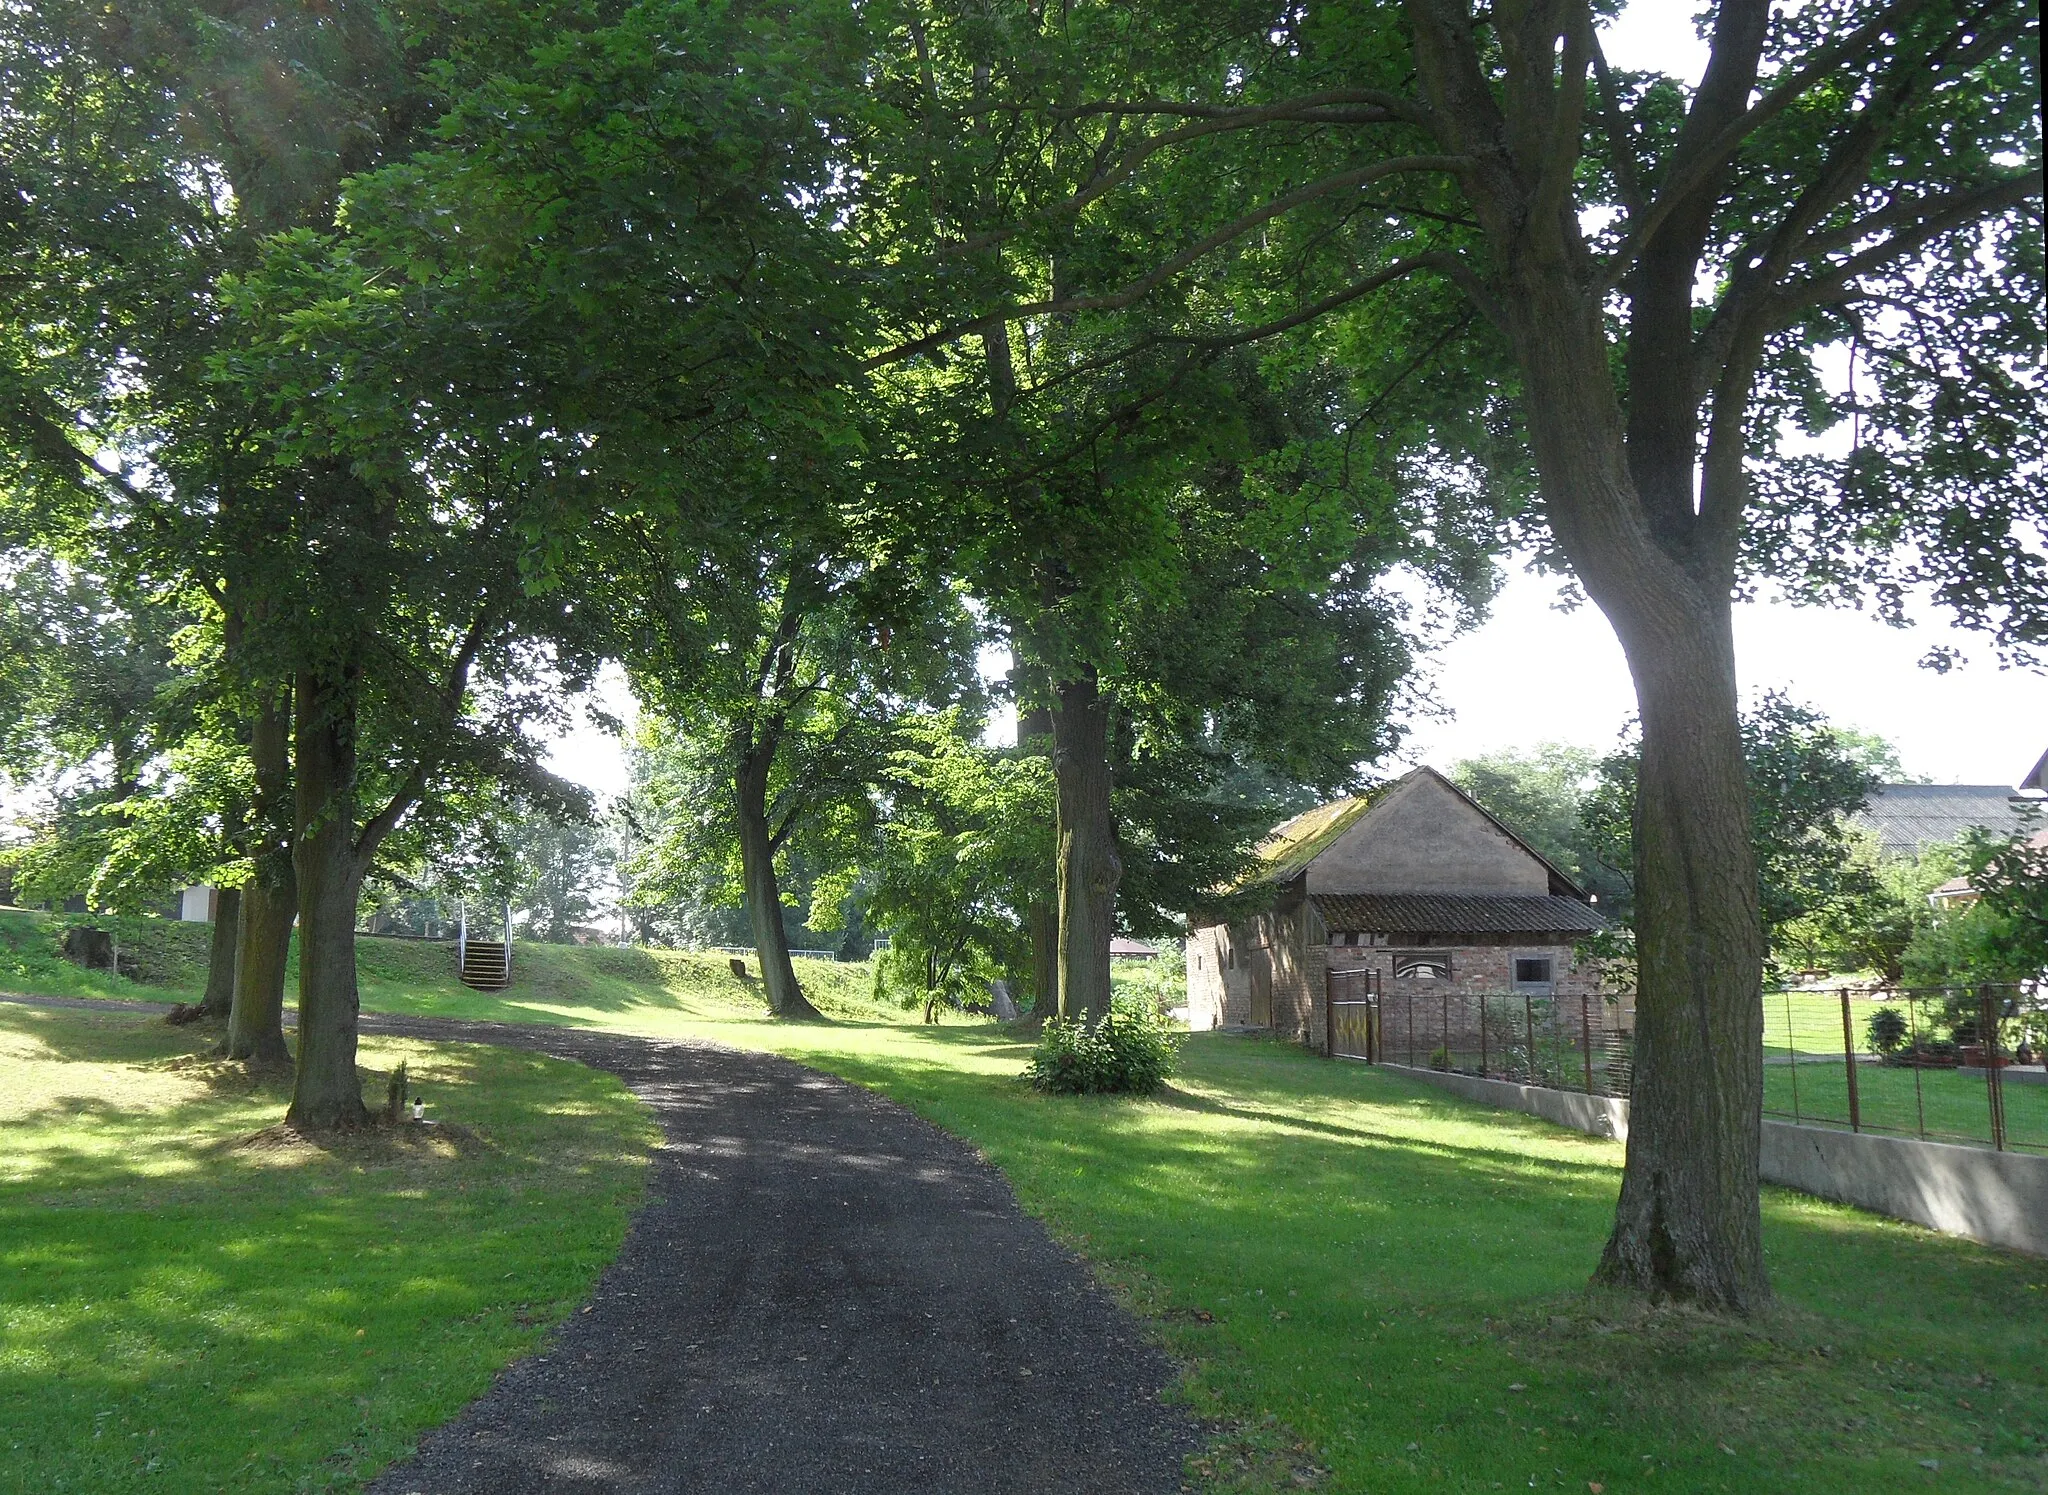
(1377,1287)
(183,1310)
(1955,1107)
(595,986)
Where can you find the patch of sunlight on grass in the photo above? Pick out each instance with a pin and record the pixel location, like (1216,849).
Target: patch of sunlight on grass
(168,1293)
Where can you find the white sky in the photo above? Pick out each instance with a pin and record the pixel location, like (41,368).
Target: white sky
(1533,674)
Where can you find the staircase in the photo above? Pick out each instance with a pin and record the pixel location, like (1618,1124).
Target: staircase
(486,965)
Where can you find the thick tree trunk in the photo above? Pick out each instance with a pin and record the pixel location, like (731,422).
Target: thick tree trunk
(1041,914)
(1688,1223)
(1089,868)
(270,900)
(764,895)
(327,1094)
(256,1022)
(220,960)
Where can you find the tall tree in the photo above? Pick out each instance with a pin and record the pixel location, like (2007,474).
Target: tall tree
(1662,266)
(788,666)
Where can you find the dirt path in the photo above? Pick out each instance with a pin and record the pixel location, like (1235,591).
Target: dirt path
(823,1293)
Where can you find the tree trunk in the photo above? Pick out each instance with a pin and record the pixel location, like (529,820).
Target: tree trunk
(1688,1223)
(220,962)
(327,1094)
(1041,914)
(1089,868)
(256,1021)
(270,900)
(764,896)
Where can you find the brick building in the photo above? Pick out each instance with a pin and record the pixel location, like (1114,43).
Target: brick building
(1414,881)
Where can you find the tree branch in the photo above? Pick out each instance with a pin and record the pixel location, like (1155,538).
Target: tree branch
(1620,135)
(1961,209)
(1450,263)
(453,690)
(1691,173)
(1138,289)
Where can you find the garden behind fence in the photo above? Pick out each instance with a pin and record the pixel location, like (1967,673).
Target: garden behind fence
(1959,1064)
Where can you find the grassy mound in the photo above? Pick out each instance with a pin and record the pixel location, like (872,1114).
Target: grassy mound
(588,986)
(191,1302)
(170,957)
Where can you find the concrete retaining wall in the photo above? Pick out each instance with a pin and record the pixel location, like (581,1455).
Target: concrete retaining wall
(1601,1115)
(1999,1198)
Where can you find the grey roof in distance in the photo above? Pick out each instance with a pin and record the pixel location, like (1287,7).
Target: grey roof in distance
(1445,914)
(1909,818)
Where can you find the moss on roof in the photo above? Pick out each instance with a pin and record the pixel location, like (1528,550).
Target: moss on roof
(1293,845)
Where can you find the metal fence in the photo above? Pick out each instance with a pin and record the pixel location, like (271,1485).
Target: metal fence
(1557,1042)
(1946,1064)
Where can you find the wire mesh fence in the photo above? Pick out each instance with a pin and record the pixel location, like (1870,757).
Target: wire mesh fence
(1960,1064)
(1555,1041)
(1948,1064)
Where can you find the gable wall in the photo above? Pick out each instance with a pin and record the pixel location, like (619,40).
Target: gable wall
(1425,839)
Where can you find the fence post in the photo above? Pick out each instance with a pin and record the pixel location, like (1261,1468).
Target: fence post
(1446,1035)
(1329,1013)
(1913,1028)
(1849,1058)
(1529,1021)
(1482,1035)
(1994,1088)
(1411,1030)
(1792,1054)
(1586,1039)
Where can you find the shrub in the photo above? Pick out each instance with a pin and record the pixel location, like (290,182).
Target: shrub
(1886,1030)
(1128,1051)
(1440,1057)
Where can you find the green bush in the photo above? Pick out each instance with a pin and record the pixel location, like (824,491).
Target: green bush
(1128,1051)
(1886,1030)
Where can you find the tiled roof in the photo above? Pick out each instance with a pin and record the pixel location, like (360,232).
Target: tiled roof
(1455,913)
(1909,818)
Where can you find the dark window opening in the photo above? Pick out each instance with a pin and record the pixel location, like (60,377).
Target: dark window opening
(1532,970)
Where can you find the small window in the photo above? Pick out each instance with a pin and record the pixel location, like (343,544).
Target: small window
(1532,971)
(1425,965)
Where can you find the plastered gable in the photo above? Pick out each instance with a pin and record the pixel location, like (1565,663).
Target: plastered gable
(1424,838)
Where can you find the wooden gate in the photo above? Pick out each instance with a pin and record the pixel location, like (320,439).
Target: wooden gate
(1351,1014)
(1261,963)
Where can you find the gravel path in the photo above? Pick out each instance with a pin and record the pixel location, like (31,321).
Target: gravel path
(823,1293)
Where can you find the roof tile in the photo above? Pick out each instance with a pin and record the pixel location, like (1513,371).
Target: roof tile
(1456,913)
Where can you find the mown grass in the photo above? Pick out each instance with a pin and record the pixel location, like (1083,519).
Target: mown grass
(596,986)
(182,1310)
(1382,1288)
(1953,1107)
(169,955)
(1377,1287)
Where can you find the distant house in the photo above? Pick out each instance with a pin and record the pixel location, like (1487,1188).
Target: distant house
(1121,948)
(1414,881)
(1909,818)
(1958,892)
